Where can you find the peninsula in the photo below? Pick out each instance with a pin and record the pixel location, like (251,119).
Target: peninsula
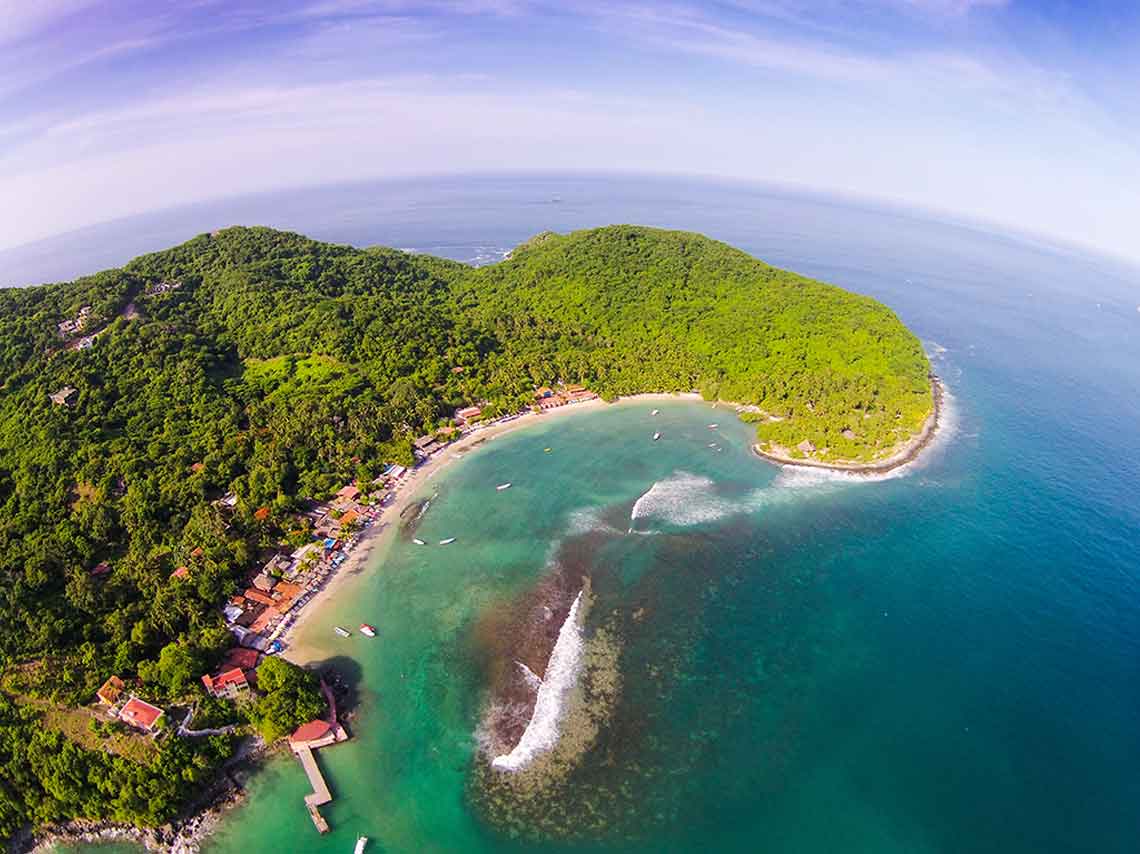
(187,445)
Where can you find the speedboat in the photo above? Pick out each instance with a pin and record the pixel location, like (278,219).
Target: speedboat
(656,436)
(713,426)
(341,631)
(361,841)
(448,541)
(367,630)
(418,541)
(655,411)
(503,486)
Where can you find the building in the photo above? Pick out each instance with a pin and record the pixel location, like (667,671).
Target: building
(264,582)
(109,694)
(230,683)
(469,413)
(181,572)
(100,569)
(544,392)
(246,659)
(141,714)
(66,396)
(314,734)
(349,493)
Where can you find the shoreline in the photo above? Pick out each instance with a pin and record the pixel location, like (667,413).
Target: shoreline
(908,453)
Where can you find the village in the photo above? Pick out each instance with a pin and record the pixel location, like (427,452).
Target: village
(276,592)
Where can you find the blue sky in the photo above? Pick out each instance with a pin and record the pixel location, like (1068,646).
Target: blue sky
(1022,113)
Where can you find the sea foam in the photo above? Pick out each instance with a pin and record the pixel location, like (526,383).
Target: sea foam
(561,676)
(682,499)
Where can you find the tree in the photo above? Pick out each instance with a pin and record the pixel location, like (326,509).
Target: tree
(290,696)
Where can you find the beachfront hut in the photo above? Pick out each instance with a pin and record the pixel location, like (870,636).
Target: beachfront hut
(807,446)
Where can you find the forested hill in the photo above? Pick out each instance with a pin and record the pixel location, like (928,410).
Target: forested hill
(271,366)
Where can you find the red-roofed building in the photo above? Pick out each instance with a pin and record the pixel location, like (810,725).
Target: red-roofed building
(181,572)
(109,693)
(197,553)
(314,734)
(349,493)
(261,514)
(231,683)
(246,659)
(254,595)
(100,569)
(468,413)
(141,714)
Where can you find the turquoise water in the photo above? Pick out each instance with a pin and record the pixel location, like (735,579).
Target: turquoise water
(948,660)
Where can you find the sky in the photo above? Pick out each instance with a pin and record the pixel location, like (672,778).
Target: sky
(1024,114)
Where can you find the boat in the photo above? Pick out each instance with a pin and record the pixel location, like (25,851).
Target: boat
(713,426)
(656,436)
(655,411)
(367,630)
(546,450)
(361,841)
(341,631)
(418,541)
(503,486)
(448,541)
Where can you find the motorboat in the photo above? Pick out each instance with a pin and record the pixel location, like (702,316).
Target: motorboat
(503,486)
(361,841)
(655,411)
(367,630)
(343,632)
(418,541)
(656,436)
(447,542)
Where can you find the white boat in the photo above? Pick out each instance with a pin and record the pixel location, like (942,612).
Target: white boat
(341,631)
(503,486)
(713,426)
(418,541)
(448,541)
(361,841)
(656,436)
(367,630)
(655,411)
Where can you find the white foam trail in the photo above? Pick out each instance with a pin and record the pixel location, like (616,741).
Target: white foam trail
(532,678)
(562,670)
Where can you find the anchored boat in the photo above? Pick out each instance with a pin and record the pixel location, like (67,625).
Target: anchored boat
(503,486)
(448,541)
(656,436)
(367,630)
(343,632)
(418,541)
(361,841)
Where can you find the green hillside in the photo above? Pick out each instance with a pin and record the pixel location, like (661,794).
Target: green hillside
(275,367)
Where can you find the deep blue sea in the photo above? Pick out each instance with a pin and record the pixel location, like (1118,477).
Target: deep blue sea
(944,661)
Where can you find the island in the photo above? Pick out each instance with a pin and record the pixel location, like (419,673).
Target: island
(189,445)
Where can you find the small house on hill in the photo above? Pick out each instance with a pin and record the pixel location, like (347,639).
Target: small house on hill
(101,569)
(141,714)
(109,693)
(231,683)
(66,396)
(468,413)
(807,446)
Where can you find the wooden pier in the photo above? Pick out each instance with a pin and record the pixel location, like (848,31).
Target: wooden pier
(307,738)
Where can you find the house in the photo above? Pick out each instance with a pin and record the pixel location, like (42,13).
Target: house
(181,572)
(109,693)
(458,369)
(231,683)
(263,581)
(100,569)
(349,493)
(285,595)
(574,389)
(348,518)
(807,446)
(426,445)
(544,392)
(141,714)
(468,413)
(246,659)
(66,396)
(254,595)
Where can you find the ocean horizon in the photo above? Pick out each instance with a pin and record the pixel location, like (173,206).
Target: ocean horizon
(752,657)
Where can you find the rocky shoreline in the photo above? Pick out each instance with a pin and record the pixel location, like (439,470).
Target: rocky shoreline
(907,454)
(184,835)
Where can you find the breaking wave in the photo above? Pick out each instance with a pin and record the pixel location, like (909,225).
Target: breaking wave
(682,499)
(561,676)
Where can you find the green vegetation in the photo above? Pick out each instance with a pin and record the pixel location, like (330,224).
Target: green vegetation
(278,368)
(290,696)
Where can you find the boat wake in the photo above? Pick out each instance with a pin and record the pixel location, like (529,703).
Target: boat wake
(541,733)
